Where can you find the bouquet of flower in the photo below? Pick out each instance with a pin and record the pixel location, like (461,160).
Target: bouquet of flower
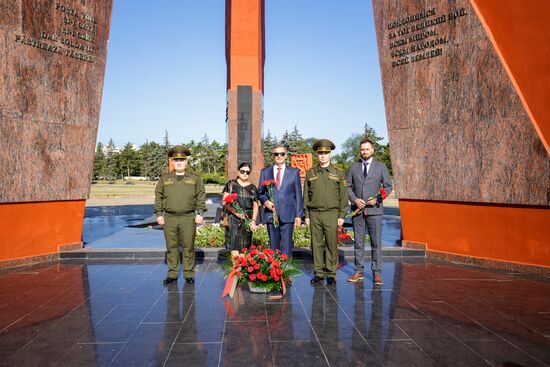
(270,186)
(261,267)
(381,195)
(232,200)
(343,236)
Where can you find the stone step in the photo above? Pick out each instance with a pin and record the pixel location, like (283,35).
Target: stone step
(209,253)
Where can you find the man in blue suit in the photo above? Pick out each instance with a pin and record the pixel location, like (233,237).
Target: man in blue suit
(287,200)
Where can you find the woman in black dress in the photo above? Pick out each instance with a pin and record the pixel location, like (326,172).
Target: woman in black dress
(237,236)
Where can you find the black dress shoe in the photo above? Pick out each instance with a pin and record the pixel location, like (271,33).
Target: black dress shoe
(169,280)
(331,281)
(190,280)
(316,280)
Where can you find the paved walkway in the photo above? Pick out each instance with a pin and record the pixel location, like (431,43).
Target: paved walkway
(118,313)
(108,227)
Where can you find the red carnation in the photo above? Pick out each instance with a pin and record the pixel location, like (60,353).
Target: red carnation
(383,193)
(252,277)
(230,198)
(257,266)
(268,182)
(250,269)
(284,257)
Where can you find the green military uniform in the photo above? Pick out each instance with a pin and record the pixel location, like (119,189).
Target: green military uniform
(325,201)
(179,198)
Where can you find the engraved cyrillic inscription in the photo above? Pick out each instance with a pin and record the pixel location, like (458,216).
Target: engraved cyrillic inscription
(417,37)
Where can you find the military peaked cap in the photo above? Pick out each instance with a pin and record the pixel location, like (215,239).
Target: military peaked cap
(179,151)
(323,145)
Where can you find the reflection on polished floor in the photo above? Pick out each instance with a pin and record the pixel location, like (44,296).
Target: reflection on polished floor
(116,313)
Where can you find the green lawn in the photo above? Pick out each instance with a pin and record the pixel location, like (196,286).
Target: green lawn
(130,188)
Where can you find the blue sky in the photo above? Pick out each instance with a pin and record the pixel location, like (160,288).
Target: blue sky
(166,70)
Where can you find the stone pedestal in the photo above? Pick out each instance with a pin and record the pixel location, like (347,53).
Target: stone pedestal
(463,145)
(53,64)
(244,125)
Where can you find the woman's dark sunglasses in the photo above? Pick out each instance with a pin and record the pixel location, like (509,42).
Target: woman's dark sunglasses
(244,172)
(279,154)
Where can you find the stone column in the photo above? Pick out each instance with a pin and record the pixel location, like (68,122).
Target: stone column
(245,57)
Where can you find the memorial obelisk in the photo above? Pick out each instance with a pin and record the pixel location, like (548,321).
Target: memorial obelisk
(245,55)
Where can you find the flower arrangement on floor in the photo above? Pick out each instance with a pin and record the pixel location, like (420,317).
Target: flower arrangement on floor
(263,269)
(344,238)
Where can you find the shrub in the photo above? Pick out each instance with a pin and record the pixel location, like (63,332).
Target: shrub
(210,235)
(213,178)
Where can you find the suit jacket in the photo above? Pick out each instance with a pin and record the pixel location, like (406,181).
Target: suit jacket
(359,187)
(288,199)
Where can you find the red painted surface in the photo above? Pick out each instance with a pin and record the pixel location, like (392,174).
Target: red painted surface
(245,51)
(519,33)
(34,229)
(495,232)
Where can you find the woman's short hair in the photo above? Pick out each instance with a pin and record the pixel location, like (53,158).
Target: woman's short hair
(245,164)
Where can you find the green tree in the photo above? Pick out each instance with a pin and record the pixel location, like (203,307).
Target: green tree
(166,141)
(268,143)
(294,142)
(99,162)
(154,162)
(129,160)
(112,170)
(350,149)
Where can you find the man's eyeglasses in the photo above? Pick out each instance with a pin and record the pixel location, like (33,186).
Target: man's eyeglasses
(279,154)
(244,172)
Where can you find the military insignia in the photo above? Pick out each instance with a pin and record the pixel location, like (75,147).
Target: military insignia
(333,177)
(313,178)
(168,182)
(189,181)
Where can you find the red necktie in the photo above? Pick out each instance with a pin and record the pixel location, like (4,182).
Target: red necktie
(278,178)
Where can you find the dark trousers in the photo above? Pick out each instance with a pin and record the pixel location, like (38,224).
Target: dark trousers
(180,229)
(371,225)
(280,238)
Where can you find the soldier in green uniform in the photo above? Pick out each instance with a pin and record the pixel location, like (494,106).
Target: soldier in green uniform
(325,206)
(179,206)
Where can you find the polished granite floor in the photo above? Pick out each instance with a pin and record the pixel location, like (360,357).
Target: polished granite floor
(427,313)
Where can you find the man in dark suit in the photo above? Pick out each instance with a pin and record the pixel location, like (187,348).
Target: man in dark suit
(287,200)
(364,180)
